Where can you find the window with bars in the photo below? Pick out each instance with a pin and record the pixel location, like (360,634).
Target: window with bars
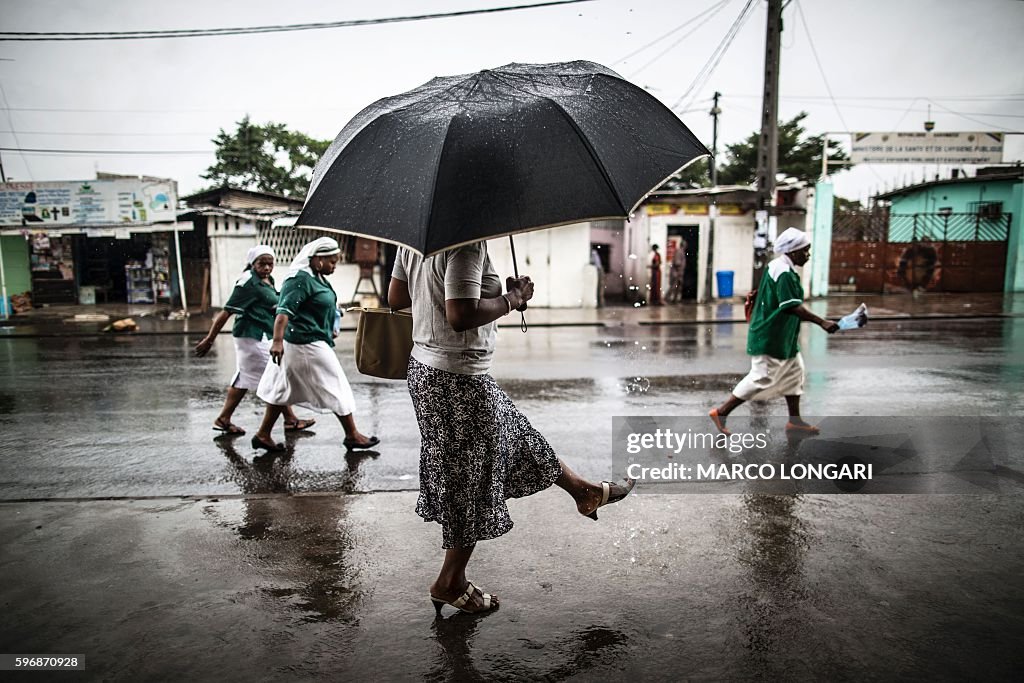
(287,242)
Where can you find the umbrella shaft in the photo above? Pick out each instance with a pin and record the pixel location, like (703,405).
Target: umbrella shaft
(515,266)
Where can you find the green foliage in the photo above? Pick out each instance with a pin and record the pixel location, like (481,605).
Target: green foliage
(693,176)
(799,156)
(265,158)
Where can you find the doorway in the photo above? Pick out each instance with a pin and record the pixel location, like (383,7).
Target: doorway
(684,239)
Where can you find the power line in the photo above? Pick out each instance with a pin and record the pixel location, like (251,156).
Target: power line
(683,37)
(159,152)
(32,36)
(903,98)
(821,69)
(817,100)
(668,33)
(970,118)
(716,56)
(111,135)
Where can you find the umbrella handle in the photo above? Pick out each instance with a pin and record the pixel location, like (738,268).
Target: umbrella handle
(515,270)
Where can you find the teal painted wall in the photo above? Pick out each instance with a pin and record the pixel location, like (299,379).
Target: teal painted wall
(1015,249)
(821,238)
(16,269)
(957,196)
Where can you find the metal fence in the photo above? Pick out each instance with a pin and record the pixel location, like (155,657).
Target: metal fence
(875,251)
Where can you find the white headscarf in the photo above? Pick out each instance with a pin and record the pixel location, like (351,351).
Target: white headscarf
(250,259)
(324,246)
(791,240)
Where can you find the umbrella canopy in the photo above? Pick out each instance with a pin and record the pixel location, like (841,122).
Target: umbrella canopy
(522,147)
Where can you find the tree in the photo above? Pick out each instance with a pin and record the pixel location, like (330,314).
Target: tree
(799,156)
(265,158)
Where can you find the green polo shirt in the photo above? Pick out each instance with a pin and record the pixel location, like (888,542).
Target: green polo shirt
(253,303)
(309,302)
(773,329)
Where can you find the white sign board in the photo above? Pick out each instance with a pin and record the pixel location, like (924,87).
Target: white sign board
(127,201)
(927,148)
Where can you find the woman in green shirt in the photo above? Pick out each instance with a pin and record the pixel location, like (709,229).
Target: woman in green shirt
(252,302)
(305,370)
(776,366)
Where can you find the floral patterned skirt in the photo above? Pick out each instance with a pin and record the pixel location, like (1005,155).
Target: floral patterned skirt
(477,451)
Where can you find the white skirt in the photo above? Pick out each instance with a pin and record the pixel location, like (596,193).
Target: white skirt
(251,359)
(771,377)
(309,376)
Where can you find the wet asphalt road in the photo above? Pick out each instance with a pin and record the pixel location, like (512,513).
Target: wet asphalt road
(131,416)
(665,587)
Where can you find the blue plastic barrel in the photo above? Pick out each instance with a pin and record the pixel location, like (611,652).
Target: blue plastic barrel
(724,278)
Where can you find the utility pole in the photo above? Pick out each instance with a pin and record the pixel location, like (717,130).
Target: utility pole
(713,210)
(768,144)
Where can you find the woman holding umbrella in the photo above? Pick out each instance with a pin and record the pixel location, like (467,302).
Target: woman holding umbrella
(477,449)
(252,302)
(305,370)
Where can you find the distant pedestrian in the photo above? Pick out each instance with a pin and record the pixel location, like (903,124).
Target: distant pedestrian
(252,302)
(595,260)
(776,366)
(655,266)
(477,449)
(676,272)
(305,370)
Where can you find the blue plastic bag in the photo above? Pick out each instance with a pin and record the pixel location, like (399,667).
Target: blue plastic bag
(856,320)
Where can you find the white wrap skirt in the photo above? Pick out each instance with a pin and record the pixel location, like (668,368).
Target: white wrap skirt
(771,377)
(309,376)
(251,359)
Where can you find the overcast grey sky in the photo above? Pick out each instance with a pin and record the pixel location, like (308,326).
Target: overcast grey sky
(884,61)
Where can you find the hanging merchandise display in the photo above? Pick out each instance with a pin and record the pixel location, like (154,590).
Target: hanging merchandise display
(53,270)
(139,280)
(160,256)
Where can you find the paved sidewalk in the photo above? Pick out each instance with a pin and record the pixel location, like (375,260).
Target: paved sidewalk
(60,320)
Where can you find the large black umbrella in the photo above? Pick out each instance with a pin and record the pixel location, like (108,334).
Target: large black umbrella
(522,147)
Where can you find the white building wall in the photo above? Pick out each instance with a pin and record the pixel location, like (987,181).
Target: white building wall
(734,249)
(230,240)
(558,262)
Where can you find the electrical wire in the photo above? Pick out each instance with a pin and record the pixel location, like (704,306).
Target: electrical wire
(680,39)
(971,118)
(903,98)
(666,35)
(32,36)
(705,73)
(10,122)
(162,152)
(821,70)
(111,135)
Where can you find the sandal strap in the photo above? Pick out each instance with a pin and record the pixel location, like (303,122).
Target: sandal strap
(465,597)
(606,490)
(487,601)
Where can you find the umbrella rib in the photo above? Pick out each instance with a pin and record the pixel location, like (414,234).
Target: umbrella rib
(433,184)
(593,154)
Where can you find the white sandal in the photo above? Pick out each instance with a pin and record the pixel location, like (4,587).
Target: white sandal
(461,601)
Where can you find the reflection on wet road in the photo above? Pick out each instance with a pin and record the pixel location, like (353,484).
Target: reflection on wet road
(99,417)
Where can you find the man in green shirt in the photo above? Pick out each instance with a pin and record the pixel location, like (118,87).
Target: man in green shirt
(776,367)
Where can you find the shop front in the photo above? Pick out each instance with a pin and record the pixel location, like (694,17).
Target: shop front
(109,240)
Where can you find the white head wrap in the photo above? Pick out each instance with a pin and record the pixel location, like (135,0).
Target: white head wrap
(324,246)
(791,240)
(250,258)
